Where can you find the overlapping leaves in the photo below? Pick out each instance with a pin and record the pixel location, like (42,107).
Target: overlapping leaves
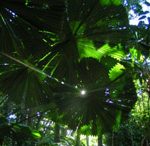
(17,132)
(69,41)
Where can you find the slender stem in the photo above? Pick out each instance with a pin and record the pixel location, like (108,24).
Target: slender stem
(3,100)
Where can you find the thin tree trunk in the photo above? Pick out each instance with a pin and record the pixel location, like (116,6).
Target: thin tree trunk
(87,141)
(144,142)
(113,139)
(63,131)
(100,141)
(57,133)
(78,138)
(108,139)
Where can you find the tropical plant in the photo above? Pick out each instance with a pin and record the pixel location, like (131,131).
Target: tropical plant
(68,58)
(16,133)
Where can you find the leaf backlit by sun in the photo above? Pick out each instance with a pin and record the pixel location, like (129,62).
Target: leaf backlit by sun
(116,71)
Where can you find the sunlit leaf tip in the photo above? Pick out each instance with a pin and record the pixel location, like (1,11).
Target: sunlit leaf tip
(87,49)
(116,71)
(36,134)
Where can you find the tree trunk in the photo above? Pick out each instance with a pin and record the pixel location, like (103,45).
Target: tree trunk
(144,142)
(63,131)
(100,141)
(108,139)
(57,133)
(113,139)
(78,138)
(87,141)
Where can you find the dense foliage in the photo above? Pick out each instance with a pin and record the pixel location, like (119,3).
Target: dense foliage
(72,63)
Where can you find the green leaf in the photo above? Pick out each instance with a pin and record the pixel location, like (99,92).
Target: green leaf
(118,121)
(36,134)
(105,2)
(116,71)
(87,49)
(16,128)
(75,26)
(118,54)
(134,54)
(104,50)
(110,2)
(116,2)
(86,129)
(115,52)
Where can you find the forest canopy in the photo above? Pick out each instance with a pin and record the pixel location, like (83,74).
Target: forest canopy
(78,64)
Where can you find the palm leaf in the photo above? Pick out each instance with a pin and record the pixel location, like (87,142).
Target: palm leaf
(116,71)
(73,44)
